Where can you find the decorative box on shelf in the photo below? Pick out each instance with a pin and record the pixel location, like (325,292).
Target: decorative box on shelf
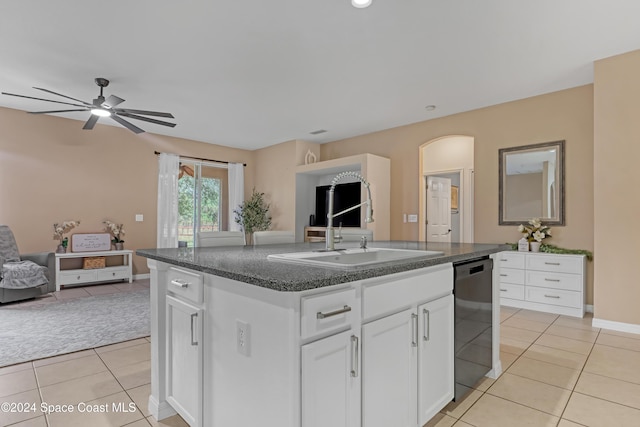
(92,262)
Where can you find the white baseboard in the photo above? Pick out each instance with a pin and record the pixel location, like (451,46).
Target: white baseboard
(141,276)
(616,326)
(160,410)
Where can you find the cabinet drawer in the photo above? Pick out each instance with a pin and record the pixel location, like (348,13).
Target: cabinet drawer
(511,259)
(186,284)
(327,312)
(554,297)
(77,276)
(113,274)
(568,282)
(510,291)
(396,292)
(556,263)
(511,275)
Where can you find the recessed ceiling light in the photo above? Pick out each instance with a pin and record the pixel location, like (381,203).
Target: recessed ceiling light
(430,107)
(318,132)
(100,112)
(361,3)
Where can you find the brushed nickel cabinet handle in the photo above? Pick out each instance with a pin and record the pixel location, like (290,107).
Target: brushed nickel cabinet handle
(552,263)
(503,290)
(414,330)
(426,324)
(551,280)
(193,316)
(321,315)
(551,296)
(180,283)
(355,349)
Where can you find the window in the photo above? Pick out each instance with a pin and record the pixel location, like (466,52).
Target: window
(202,200)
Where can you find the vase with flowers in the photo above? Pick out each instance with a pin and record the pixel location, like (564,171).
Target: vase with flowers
(535,232)
(59,230)
(117,231)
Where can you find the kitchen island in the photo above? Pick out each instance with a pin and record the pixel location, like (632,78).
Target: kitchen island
(239,339)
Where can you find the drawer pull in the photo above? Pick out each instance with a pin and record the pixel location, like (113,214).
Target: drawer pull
(503,290)
(552,263)
(551,296)
(551,280)
(78,278)
(180,284)
(503,275)
(322,315)
(504,259)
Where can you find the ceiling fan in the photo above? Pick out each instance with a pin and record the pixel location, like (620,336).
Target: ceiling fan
(101,107)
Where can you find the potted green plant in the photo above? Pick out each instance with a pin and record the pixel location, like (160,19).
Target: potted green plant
(253,215)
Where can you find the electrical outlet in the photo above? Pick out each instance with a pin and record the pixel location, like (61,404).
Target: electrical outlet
(243,337)
(413,218)
(139,217)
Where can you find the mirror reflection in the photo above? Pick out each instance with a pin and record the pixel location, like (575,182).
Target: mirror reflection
(532,183)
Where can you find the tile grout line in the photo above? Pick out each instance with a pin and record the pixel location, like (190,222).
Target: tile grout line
(578,380)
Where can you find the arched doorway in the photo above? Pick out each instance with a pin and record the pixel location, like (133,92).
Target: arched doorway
(449,157)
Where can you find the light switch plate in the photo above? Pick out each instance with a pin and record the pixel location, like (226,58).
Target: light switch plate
(413,218)
(139,217)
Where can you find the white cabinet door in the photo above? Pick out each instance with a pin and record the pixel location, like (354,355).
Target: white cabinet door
(435,357)
(184,360)
(331,381)
(389,351)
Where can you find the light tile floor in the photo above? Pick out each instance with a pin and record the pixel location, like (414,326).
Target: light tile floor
(558,371)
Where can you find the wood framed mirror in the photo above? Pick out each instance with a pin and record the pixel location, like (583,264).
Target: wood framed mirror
(532,184)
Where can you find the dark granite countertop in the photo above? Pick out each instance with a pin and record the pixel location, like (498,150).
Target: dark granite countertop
(249,264)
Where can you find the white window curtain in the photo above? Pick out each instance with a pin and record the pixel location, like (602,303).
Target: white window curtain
(236,192)
(169,165)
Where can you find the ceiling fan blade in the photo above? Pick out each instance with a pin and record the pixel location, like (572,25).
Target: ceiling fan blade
(146,119)
(64,96)
(53,111)
(133,128)
(112,101)
(93,119)
(48,100)
(146,113)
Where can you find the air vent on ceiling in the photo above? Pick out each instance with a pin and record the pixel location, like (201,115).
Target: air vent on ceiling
(317,132)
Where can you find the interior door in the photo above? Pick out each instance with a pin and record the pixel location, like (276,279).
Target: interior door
(438,209)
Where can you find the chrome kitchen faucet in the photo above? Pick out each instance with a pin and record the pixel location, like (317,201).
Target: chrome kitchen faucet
(330,232)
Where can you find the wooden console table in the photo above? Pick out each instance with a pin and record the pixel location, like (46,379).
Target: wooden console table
(79,276)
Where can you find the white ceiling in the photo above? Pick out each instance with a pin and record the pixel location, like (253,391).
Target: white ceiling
(255,73)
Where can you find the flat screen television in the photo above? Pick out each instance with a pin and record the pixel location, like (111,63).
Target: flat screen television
(344,196)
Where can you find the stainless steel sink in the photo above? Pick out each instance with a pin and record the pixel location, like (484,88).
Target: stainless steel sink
(355,257)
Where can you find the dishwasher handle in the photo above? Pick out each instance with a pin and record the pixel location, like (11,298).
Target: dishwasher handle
(473,268)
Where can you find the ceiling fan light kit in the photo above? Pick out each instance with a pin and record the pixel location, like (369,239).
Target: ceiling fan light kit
(103,107)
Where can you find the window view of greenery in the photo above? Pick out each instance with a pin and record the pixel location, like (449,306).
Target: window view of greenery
(209,207)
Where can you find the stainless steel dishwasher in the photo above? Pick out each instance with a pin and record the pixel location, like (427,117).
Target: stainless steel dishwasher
(472,290)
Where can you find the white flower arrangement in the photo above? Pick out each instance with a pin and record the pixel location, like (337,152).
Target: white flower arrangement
(117,230)
(60,229)
(535,230)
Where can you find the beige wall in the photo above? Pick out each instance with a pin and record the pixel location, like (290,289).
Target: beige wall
(276,177)
(51,170)
(564,115)
(617,178)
